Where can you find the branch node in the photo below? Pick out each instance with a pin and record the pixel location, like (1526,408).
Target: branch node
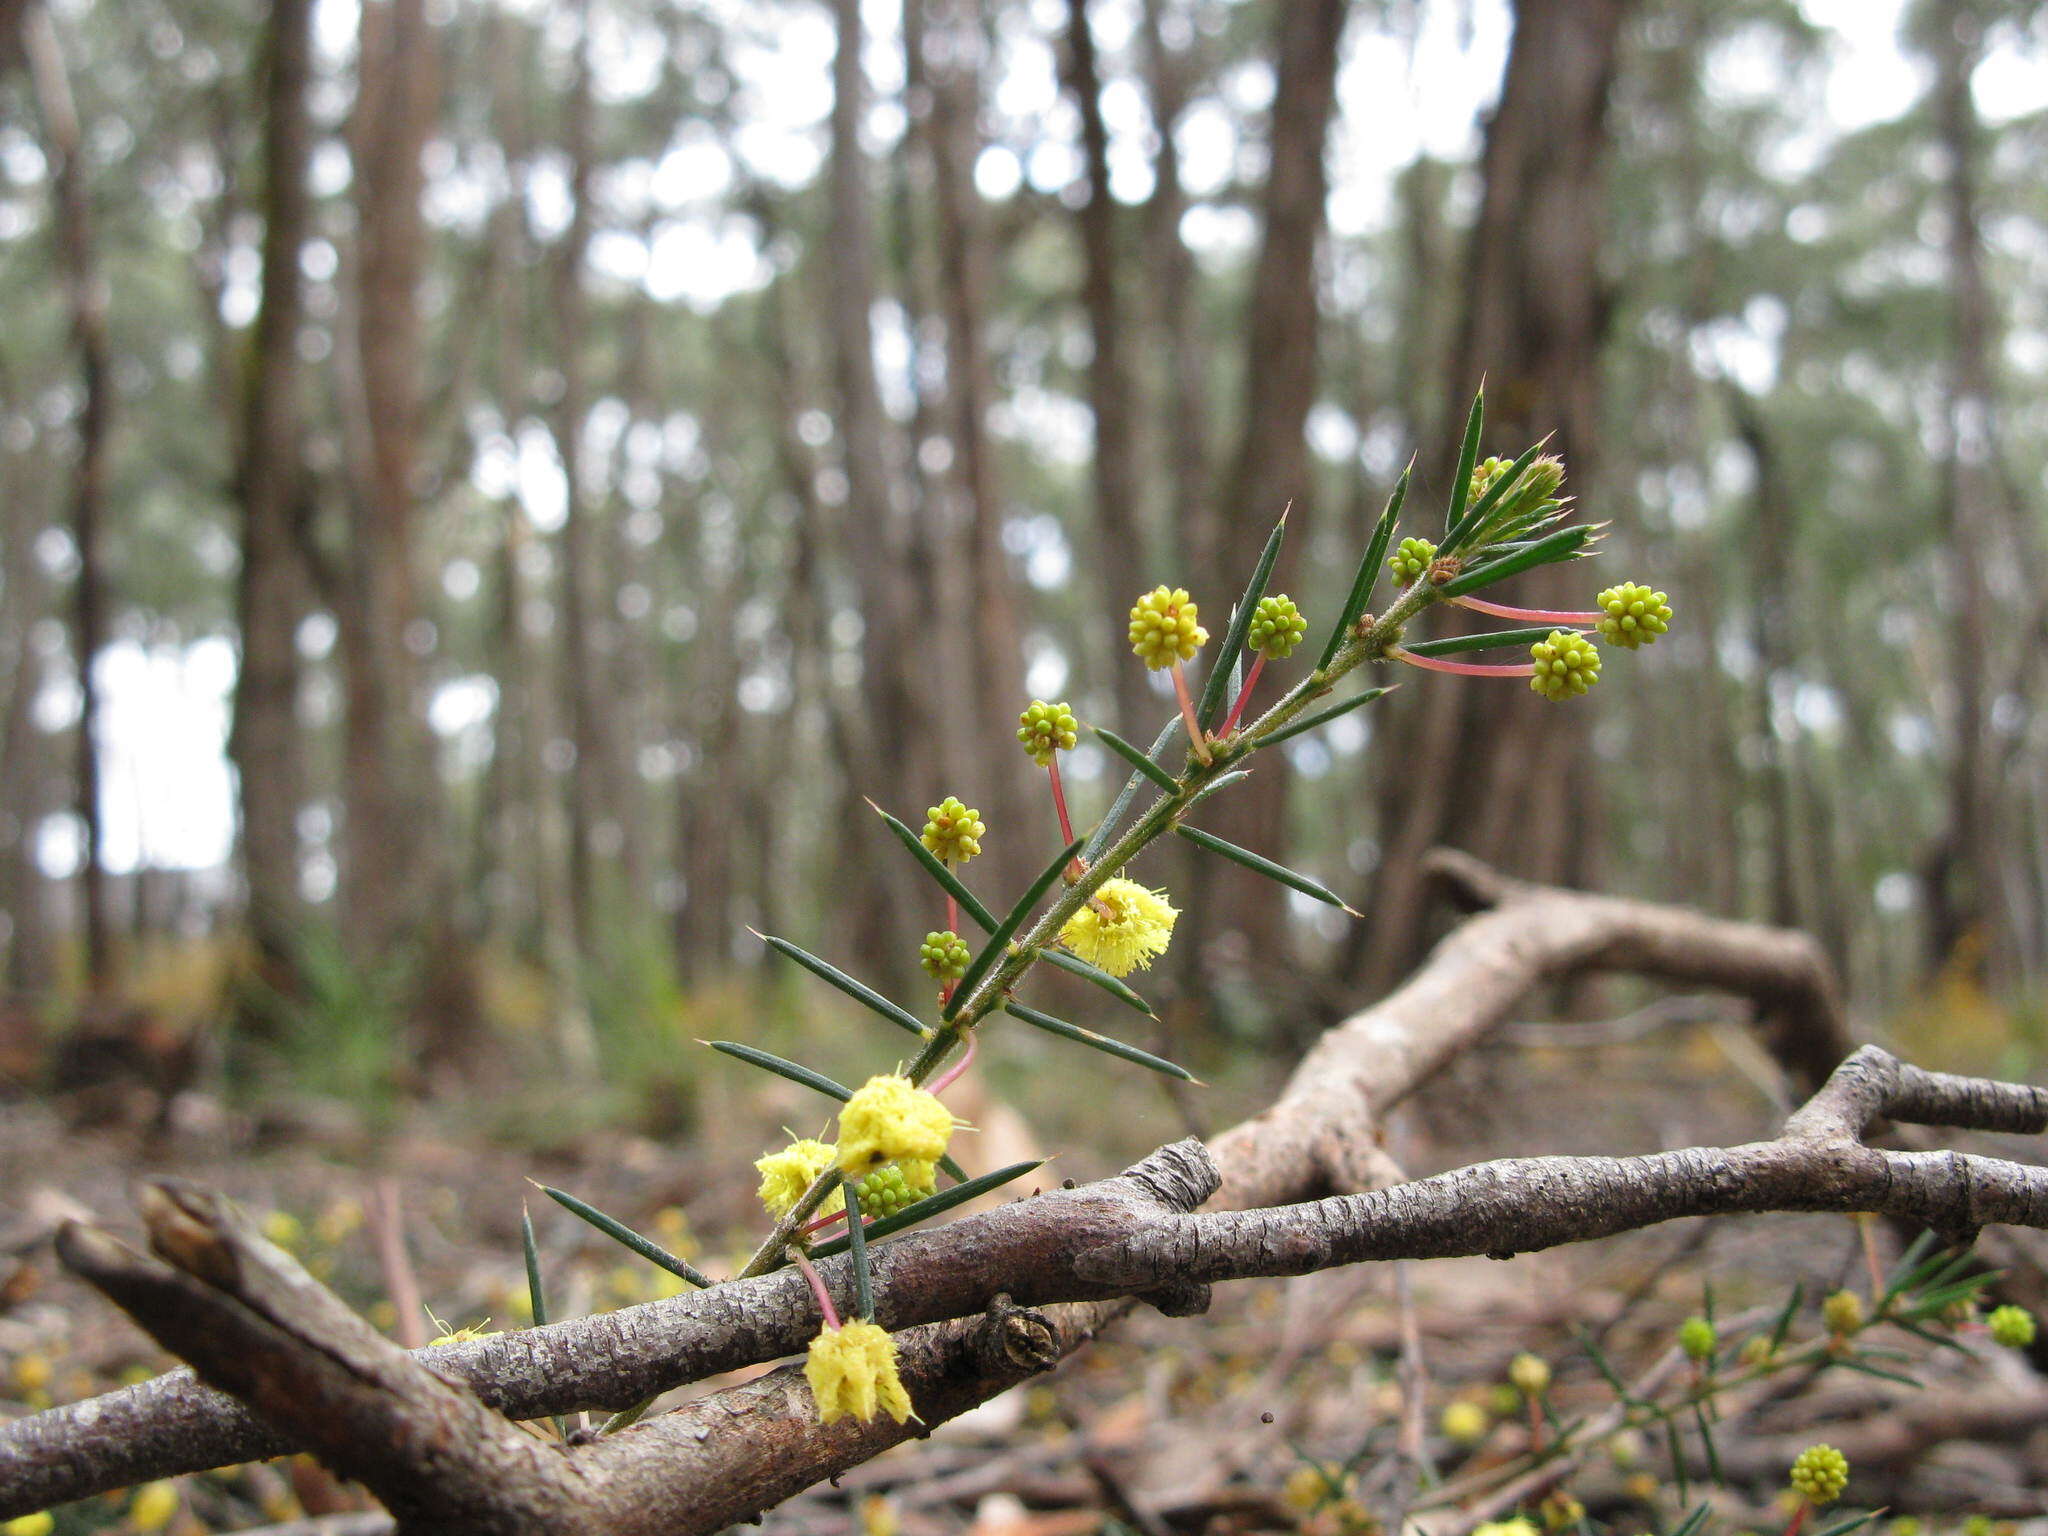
(1014,1338)
(1180,1176)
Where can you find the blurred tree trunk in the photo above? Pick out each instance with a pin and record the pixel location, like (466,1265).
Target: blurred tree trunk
(1770,554)
(1479,767)
(271,594)
(981,715)
(1429,309)
(592,772)
(1183,421)
(24,600)
(392,872)
(1968,920)
(85,293)
(896,741)
(511,869)
(1244,911)
(1119,497)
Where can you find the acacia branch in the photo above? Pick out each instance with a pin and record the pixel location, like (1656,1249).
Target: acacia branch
(1317,1138)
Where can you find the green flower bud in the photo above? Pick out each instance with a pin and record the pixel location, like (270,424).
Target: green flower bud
(1567,664)
(1632,615)
(1696,1337)
(1411,559)
(1820,1473)
(1484,473)
(1044,729)
(1276,629)
(1757,1350)
(1163,628)
(1843,1313)
(953,831)
(2011,1326)
(888,1190)
(1530,1375)
(944,956)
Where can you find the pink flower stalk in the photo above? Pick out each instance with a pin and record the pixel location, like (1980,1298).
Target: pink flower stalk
(1187,715)
(1463,668)
(820,1223)
(817,1288)
(953,1074)
(1244,696)
(1075,868)
(952,926)
(1532,615)
(1059,797)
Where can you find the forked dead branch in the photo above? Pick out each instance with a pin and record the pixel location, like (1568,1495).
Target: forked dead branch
(993,1299)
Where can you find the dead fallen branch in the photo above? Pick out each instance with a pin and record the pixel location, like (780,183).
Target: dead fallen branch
(1073,1255)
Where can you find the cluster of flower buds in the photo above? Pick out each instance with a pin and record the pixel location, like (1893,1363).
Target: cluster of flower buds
(1044,729)
(1277,628)
(1165,629)
(944,956)
(1567,665)
(953,831)
(888,1190)
(1632,615)
(1820,1473)
(1411,557)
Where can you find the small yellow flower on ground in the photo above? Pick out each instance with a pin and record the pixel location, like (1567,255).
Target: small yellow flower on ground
(38,1524)
(852,1370)
(153,1507)
(1530,1375)
(1465,1422)
(889,1119)
(785,1175)
(1122,928)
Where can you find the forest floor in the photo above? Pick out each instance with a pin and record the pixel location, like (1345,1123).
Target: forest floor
(1283,1409)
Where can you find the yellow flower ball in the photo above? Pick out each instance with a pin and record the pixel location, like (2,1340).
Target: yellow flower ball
(1122,928)
(785,1175)
(852,1371)
(890,1119)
